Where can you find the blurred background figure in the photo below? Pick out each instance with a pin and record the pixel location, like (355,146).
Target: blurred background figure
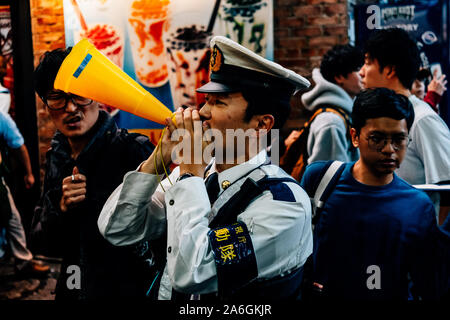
(435,89)
(5,97)
(11,228)
(10,219)
(326,135)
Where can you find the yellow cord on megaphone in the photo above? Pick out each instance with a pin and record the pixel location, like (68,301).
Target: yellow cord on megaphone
(159,145)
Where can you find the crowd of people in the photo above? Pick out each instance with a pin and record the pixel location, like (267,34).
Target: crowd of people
(338,219)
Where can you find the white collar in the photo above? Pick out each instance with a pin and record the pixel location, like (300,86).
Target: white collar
(238,171)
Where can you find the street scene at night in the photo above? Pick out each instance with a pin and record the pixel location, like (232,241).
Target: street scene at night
(234,158)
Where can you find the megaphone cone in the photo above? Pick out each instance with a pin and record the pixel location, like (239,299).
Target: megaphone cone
(88,73)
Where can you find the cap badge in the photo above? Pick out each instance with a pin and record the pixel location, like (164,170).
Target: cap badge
(225,184)
(216,59)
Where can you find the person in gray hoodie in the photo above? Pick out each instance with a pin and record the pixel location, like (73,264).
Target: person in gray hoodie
(337,83)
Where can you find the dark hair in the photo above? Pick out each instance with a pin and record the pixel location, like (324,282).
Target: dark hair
(381,102)
(394,47)
(340,61)
(266,102)
(423,74)
(45,73)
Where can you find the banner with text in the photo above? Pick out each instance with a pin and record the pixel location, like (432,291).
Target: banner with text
(425,21)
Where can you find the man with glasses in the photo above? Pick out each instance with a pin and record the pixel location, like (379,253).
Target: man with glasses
(87,160)
(375,231)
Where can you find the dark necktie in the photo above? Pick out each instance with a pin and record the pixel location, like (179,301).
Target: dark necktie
(212,186)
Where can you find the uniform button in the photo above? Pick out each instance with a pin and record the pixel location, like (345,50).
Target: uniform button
(171,202)
(169,249)
(225,184)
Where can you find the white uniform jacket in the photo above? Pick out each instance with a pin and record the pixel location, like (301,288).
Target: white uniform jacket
(280,230)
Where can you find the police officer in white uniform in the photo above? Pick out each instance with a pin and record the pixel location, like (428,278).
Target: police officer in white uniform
(239,228)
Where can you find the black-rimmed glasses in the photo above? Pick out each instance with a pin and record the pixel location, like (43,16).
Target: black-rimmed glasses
(58,101)
(378,141)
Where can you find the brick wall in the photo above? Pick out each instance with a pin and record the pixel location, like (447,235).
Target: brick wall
(47,22)
(304,31)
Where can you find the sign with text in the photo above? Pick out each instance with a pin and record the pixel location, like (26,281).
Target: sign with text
(425,21)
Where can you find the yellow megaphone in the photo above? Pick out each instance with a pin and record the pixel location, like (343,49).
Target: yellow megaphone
(88,73)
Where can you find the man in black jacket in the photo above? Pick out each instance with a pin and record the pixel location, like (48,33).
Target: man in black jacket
(87,160)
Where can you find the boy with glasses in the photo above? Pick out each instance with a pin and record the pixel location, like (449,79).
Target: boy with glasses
(87,160)
(376,232)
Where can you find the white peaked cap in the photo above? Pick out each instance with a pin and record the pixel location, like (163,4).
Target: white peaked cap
(234,67)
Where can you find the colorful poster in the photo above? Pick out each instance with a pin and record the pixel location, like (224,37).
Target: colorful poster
(6,57)
(164,44)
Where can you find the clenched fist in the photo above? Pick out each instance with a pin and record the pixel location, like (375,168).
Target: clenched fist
(73,190)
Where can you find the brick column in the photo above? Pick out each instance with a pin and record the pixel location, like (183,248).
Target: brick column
(47,22)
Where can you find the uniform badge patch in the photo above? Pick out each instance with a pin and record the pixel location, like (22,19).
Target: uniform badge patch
(234,257)
(216,60)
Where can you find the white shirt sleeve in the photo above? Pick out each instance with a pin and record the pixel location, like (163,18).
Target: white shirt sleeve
(432,142)
(135,210)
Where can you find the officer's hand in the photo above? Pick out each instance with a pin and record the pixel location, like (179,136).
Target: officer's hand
(73,190)
(161,156)
(192,157)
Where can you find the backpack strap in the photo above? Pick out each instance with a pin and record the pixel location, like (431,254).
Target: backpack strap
(341,113)
(344,115)
(295,158)
(327,181)
(316,113)
(329,177)
(295,146)
(320,194)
